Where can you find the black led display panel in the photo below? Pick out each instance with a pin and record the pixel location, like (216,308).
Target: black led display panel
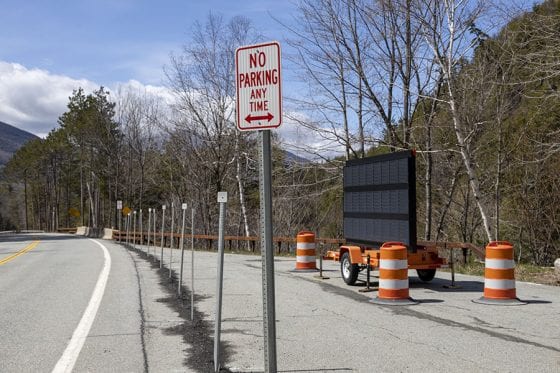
(380,199)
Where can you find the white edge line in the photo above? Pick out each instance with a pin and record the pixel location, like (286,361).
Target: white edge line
(70,355)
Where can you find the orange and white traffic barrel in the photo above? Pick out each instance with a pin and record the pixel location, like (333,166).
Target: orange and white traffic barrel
(305,251)
(499,275)
(393,275)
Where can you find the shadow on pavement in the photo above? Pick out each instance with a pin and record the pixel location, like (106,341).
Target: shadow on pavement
(197,334)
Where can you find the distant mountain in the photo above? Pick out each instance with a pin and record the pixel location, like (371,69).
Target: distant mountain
(11,139)
(291,158)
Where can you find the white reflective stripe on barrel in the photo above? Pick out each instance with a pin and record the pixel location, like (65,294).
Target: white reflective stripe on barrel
(499,284)
(393,284)
(305,245)
(393,264)
(305,259)
(499,263)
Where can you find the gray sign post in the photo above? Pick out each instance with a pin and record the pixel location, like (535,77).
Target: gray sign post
(222,200)
(267,252)
(119,215)
(192,264)
(249,60)
(171,238)
(184,208)
(127,228)
(134,229)
(154,231)
(162,230)
(149,228)
(141,229)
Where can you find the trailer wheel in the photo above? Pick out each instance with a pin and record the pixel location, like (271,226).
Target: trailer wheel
(426,275)
(348,270)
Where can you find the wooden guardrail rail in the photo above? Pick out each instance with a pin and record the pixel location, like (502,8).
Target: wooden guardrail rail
(67,230)
(282,242)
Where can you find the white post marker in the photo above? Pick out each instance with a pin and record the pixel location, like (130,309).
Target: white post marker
(162,230)
(171,239)
(222,200)
(119,214)
(259,107)
(141,229)
(127,228)
(192,264)
(184,208)
(154,231)
(149,228)
(134,229)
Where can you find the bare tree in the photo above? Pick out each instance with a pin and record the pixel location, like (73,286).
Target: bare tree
(202,78)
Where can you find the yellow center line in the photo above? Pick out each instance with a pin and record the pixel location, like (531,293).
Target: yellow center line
(27,248)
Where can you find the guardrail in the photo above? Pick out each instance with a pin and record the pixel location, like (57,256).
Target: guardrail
(67,230)
(280,242)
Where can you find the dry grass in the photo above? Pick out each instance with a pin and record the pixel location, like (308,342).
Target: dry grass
(523,272)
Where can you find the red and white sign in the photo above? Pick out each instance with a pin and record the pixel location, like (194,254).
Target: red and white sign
(259,86)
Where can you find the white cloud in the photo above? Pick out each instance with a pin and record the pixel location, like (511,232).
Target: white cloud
(303,137)
(33,99)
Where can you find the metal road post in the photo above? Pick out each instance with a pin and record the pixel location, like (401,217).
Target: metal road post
(222,200)
(134,229)
(171,238)
(154,230)
(141,230)
(184,208)
(162,230)
(192,264)
(267,252)
(127,228)
(149,228)
(119,214)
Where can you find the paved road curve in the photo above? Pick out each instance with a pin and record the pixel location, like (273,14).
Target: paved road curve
(46,285)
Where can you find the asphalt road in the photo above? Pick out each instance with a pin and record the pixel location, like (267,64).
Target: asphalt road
(47,283)
(327,326)
(45,291)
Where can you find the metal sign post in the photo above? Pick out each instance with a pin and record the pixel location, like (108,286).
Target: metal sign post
(119,214)
(184,208)
(134,229)
(127,228)
(171,238)
(259,107)
(192,264)
(267,253)
(222,200)
(149,228)
(154,230)
(141,230)
(162,230)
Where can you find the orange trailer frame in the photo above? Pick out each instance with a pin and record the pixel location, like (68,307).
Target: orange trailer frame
(423,258)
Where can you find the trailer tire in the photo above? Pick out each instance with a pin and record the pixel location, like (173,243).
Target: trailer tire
(348,270)
(426,275)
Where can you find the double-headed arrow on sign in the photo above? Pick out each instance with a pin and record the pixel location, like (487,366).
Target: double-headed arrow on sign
(250,118)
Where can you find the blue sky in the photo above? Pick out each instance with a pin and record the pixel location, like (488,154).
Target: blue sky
(115,41)
(49,48)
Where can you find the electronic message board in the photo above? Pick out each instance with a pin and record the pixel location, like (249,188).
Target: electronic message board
(380,199)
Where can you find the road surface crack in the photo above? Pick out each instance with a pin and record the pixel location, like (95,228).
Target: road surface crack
(141,313)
